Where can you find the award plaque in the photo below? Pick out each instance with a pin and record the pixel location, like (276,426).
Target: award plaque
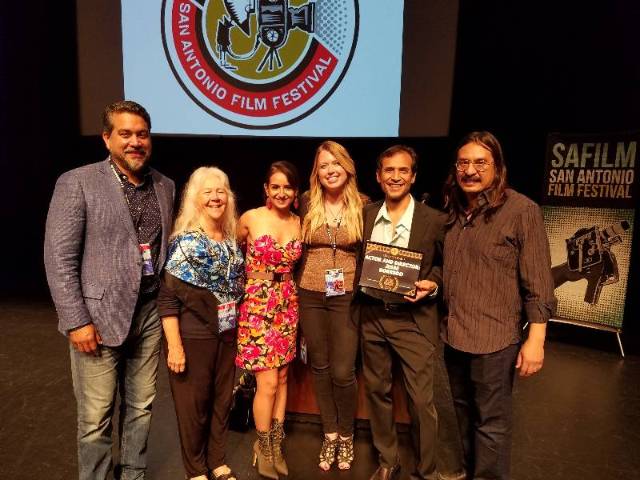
(391,269)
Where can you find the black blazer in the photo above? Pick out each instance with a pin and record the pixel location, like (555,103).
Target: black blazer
(427,236)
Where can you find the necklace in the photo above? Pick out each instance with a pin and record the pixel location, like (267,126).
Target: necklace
(336,217)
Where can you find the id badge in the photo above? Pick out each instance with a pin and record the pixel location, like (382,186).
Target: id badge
(334,282)
(147,261)
(303,350)
(226,316)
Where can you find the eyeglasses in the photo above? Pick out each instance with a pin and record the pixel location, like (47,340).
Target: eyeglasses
(479,165)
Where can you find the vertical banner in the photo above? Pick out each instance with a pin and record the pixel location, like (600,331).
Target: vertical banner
(589,199)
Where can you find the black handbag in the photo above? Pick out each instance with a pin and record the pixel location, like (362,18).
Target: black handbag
(241,414)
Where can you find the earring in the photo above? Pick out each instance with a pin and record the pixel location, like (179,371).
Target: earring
(296,204)
(269,203)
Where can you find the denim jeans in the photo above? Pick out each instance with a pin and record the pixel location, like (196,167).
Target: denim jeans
(481,386)
(131,369)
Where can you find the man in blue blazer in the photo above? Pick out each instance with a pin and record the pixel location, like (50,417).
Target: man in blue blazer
(105,243)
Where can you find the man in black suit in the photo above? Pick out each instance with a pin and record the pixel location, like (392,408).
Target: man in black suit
(393,324)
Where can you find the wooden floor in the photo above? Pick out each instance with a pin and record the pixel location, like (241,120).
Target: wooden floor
(578,419)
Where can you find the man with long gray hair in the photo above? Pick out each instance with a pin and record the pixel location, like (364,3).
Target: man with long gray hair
(497,272)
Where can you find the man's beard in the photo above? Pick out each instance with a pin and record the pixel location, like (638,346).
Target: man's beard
(132,166)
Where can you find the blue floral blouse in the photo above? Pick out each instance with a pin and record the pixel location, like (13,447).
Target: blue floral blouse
(217,266)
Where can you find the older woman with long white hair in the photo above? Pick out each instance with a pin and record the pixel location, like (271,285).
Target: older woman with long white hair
(201,286)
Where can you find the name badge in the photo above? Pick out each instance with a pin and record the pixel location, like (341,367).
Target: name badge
(334,282)
(147,261)
(226,316)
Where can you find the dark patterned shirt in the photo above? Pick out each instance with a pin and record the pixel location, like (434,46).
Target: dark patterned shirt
(145,214)
(492,272)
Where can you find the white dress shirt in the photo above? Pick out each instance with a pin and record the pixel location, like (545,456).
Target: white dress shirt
(383,231)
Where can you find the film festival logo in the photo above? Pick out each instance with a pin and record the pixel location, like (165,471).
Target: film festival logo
(259,64)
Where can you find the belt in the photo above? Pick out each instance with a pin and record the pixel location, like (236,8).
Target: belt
(274,277)
(389,307)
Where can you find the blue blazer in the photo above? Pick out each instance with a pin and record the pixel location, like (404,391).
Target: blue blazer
(91,252)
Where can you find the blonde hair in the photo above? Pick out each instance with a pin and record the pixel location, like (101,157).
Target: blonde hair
(352,212)
(190,214)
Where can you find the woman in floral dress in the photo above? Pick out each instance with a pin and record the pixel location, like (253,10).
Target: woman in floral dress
(268,320)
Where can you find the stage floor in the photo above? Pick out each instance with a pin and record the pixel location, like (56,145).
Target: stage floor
(578,419)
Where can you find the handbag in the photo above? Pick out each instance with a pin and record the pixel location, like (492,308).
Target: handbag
(241,414)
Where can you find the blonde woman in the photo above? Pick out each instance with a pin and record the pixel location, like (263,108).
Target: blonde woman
(202,284)
(331,230)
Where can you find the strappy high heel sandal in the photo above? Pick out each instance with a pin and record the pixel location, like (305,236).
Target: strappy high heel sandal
(328,452)
(345,453)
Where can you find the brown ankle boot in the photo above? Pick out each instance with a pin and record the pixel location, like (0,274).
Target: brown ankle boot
(277,436)
(263,456)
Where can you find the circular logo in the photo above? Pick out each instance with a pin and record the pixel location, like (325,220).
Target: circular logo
(259,64)
(389,283)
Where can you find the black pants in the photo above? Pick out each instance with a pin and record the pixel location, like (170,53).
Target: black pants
(202,398)
(481,387)
(384,335)
(332,343)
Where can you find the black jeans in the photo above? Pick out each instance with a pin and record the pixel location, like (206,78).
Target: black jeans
(332,343)
(481,386)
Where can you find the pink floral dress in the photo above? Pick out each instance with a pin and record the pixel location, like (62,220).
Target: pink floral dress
(268,320)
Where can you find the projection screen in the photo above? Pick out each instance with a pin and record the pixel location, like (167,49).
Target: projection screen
(309,68)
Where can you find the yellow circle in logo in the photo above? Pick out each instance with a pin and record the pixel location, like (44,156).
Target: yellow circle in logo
(244,45)
(389,283)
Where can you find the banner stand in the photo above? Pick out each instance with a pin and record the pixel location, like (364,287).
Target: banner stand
(593,326)
(589,203)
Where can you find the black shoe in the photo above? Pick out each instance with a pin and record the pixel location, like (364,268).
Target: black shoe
(385,473)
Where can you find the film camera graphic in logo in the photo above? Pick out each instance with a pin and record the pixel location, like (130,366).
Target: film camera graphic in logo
(259,63)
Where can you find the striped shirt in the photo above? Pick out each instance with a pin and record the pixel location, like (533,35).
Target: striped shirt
(496,274)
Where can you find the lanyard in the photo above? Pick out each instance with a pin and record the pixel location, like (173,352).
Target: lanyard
(228,250)
(126,198)
(113,169)
(333,240)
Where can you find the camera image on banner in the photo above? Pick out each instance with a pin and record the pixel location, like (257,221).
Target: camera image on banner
(591,258)
(259,64)
(589,253)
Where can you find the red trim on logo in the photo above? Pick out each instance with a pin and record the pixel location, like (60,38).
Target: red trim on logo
(253,104)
